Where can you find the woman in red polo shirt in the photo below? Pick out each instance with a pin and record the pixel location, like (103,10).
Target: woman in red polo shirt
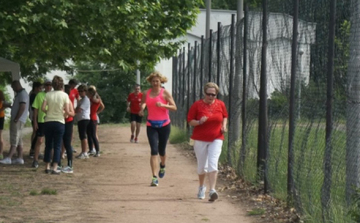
(209,117)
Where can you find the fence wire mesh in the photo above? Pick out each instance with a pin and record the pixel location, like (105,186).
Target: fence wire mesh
(324,168)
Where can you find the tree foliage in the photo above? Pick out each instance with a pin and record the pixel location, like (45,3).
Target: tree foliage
(45,34)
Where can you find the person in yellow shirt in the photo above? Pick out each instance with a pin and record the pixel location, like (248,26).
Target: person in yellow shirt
(56,106)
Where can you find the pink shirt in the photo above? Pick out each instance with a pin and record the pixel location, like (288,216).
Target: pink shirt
(156,115)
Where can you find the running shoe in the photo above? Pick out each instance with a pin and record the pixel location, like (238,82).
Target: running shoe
(17,161)
(97,154)
(55,172)
(82,156)
(92,152)
(59,168)
(162,172)
(136,140)
(154,182)
(213,195)
(35,164)
(7,160)
(132,138)
(201,193)
(67,169)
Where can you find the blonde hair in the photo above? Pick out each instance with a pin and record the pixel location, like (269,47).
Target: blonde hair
(211,85)
(157,74)
(92,90)
(92,87)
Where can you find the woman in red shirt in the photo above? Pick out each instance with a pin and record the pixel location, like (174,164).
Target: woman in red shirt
(209,117)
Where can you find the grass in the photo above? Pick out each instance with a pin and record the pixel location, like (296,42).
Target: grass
(48,191)
(34,193)
(256,211)
(178,135)
(308,168)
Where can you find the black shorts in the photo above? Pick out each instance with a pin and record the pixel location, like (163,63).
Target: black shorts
(82,127)
(40,132)
(2,123)
(135,118)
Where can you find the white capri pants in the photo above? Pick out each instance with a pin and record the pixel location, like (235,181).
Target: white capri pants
(207,155)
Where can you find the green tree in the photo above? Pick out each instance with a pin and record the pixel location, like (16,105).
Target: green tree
(46,34)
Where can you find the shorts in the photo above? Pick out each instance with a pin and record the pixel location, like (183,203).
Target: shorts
(40,131)
(135,118)
(16,133)
(82,127)
(2,123)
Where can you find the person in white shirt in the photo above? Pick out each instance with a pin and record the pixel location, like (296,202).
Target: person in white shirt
(83,118)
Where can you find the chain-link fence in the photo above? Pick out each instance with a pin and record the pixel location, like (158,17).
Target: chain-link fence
(293,100)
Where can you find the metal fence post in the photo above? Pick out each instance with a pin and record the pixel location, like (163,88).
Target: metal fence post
(210,55)
(218,50)
(294,49)
(201,65)
(263,118)
(195,67)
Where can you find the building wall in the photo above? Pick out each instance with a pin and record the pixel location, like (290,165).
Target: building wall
(223,16)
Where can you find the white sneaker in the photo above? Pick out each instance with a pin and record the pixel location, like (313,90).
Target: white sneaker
(18,161)
(213,195)
(97,154)
(7,160)
(92,152)
(83,156)
(201,193)
(67,170)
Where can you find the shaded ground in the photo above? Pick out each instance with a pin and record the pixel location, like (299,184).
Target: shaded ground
(113,188)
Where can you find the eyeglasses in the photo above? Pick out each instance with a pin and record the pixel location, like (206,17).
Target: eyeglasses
(47,84)
(210,94)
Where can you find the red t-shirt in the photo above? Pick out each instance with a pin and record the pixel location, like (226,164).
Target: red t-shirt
(73,94)
(135,102)
(211,129)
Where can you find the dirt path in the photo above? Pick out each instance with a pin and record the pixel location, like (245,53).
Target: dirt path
(112,188)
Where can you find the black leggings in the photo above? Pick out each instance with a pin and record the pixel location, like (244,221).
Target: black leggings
(67,141)
(91,132)
(158,138)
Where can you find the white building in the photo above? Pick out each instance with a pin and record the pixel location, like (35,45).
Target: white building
(222,16)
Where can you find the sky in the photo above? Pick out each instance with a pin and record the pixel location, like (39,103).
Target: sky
(28,86)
